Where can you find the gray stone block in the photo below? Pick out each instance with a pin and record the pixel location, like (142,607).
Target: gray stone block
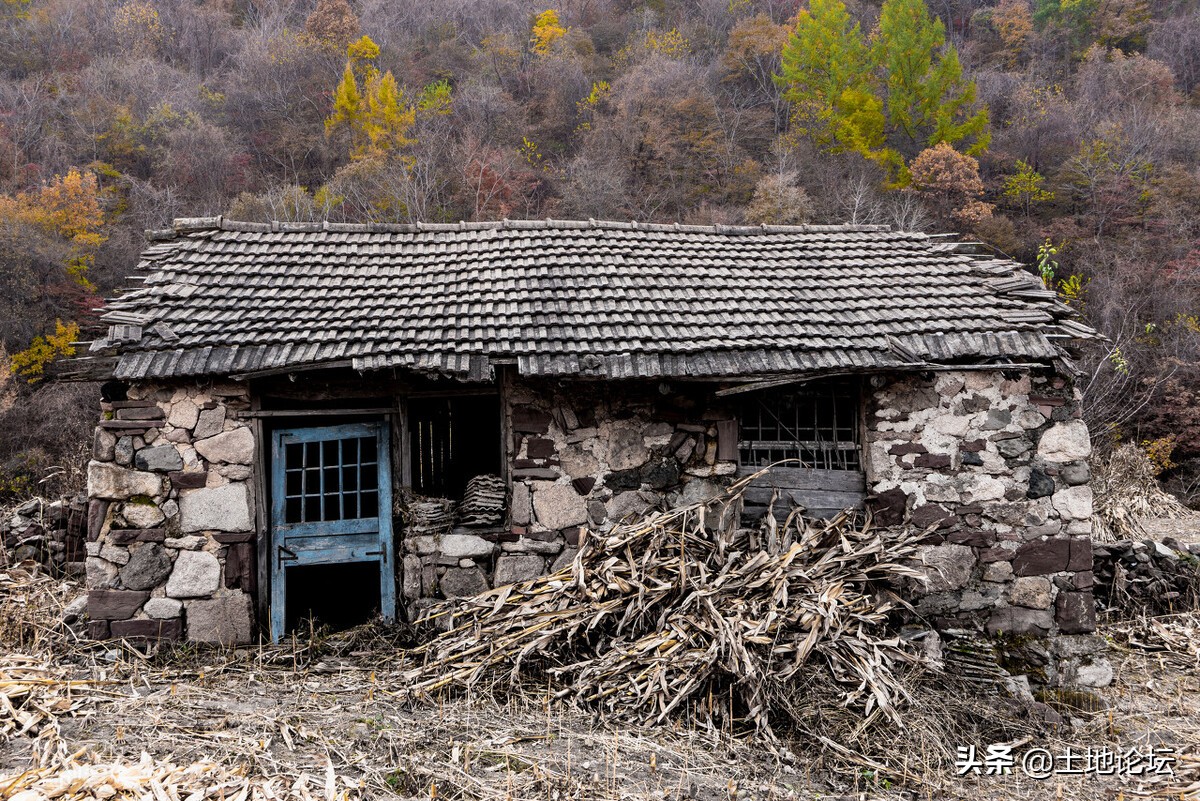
(149,565)
(462,582)
(159,459)
(196,575)
(558,506)
(225,508)
(511,569)
(224,620)
(946,567)
(231,447)
(209,423)
(163,608)
(106,480)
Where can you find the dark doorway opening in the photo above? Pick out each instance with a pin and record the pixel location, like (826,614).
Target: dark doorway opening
(339,596)
(454,439)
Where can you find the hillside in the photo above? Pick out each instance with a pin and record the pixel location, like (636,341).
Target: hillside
(116,117)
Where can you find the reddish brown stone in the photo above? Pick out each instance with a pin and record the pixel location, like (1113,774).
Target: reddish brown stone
(906,448)
(976,538)
(934,461)
(233,566)
(542,536)
(114,604)
(1081,554)
(97,511)
(124,536)
(128,404)
(1046,400)
(584,485)
(995,555)
(538,448)
(528,420)
(573,536)
(169,629)
(520,531)
(1075,612)
(888,507)
(931,514)
(183,480)
(1083,580)
(129,427)
(98,629)
(973,446)
(538,473)
(1042,558)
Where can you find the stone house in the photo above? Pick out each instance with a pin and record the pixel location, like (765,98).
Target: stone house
(341,420)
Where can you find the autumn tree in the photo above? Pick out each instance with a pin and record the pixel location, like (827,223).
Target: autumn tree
(370,106)
(886,99)
(546,31)
(779,200)
(949,183)
(332,25)
(927,99)
(827,76)
(53,232)
(1013,23)
(1026,187)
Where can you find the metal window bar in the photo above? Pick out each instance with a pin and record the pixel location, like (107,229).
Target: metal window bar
(817,425)
(331,480)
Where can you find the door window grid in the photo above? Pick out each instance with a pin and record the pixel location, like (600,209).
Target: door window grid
(328,480)
(817,425)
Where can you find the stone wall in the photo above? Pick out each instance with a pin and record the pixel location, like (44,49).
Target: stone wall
(170,523)
(587,454)
(996,464)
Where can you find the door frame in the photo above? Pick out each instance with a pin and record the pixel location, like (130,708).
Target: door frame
(384,553)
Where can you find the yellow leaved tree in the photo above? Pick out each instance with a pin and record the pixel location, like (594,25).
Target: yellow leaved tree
(546,31)
(369,106)
(67,209)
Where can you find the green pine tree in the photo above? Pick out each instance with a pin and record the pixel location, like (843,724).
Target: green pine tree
(827,77)
(927,101)
(888,98)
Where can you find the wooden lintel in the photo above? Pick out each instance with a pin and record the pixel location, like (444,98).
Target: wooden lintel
(315,412)
(296,368)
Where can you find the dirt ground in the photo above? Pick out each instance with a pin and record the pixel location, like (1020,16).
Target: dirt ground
(334,717)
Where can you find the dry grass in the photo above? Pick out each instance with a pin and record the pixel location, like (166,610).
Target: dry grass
(1126,489)
(331,717)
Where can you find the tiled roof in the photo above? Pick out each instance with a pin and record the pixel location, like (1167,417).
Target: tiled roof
(571,298)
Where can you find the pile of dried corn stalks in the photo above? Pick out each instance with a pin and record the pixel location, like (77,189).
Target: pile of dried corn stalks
(1126,490)
(685,613)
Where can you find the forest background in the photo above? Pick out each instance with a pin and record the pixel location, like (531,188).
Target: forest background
(1063,133)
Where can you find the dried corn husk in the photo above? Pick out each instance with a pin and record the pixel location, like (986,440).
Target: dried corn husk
(687,614)
(1126,490)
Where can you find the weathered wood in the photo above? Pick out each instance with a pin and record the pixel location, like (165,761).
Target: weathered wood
(804,478)
(809,498)
(264,413)
(727,440)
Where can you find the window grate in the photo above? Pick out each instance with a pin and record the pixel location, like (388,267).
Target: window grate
(333,479)
(816,424)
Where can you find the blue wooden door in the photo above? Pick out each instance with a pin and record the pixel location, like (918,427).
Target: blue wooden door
(331,503)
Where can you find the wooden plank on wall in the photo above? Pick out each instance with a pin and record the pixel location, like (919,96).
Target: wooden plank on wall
(727,440)
(809,498)
(803,478)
